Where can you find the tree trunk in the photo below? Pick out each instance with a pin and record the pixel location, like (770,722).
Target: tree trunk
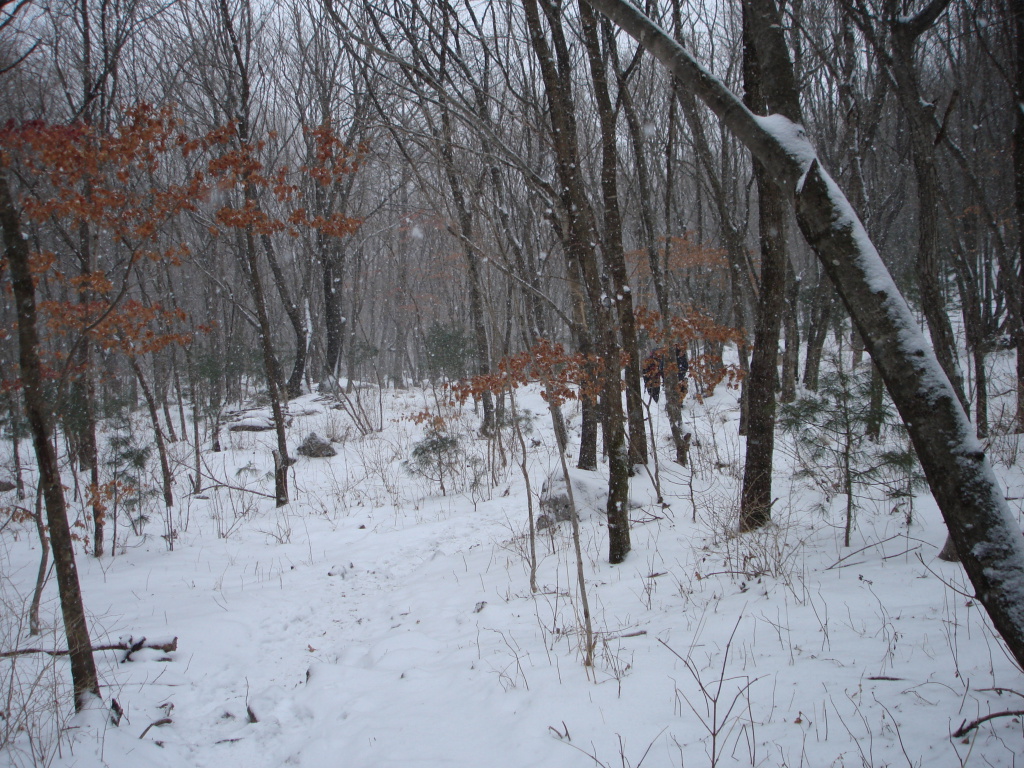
(1017,8)
(923,151)
(83,666)
(791,324)
(616,280)
(270,363)
(820,319)
(760,385)
(250,265)
(332,259)
(465,235)
(579,244)
(293,388)
(661,293)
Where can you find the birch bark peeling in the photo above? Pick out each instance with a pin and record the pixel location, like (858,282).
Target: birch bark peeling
(960,476)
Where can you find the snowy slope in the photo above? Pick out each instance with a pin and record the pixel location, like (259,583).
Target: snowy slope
(375,623)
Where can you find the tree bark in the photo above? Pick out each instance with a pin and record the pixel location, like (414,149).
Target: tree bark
(760,385)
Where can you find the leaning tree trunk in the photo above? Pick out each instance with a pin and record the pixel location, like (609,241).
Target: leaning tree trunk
(293,388)
(161,449)
(961,478)
(270,364)
(83,666)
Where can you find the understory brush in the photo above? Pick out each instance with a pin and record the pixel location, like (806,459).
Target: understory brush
(848,442)
(35,691)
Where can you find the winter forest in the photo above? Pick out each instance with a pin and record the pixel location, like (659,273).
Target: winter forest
(511,382)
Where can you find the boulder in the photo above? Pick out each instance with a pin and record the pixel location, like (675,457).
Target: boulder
(315,447)
(589,490)
(253,421)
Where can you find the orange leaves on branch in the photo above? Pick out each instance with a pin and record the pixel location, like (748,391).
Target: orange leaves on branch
(561,373)
(15,514)
(250,215)
(132,327)
(109,180)
(682,254)
(706,369)
(239,168)
(333,160)
(432,420)
(94,282)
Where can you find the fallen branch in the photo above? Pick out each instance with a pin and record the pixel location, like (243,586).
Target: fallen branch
(858,551)
(964,729)
(156,724)
(128,644)
(217,483)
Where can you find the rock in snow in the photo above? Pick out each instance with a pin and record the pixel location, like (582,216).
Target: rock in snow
(315,447)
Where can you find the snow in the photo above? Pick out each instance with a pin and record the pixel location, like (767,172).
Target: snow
(791,137)
(373,622)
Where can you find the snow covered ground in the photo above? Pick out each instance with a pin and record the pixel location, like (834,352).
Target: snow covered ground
(374,622)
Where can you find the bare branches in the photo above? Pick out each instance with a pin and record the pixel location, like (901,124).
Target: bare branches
(966,727)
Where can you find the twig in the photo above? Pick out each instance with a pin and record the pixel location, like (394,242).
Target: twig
(963,730)
(1001,691)
(948,585)
(904,552)
(157,723)
(222,484)
(866,546)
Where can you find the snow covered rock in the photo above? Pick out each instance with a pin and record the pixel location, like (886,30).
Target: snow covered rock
(588,491)
(254,421)
(315,447)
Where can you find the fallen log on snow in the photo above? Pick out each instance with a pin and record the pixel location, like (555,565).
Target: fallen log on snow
(128,644)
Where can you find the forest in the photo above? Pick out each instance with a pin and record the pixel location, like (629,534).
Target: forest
(727,294)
